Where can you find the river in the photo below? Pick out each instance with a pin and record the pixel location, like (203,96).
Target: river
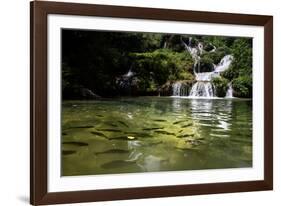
(149,134)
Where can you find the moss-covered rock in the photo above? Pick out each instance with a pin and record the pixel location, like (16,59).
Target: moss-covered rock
(208,47)
(206,64)
(166,89)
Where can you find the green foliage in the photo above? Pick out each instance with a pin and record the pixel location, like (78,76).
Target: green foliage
(217,55)
(98,60)
(242,52)
(184,75)
(230,73)
(193,42)
(242,86)
(161,66)
(220,85)
(206,64)
(217,41)
(173,42)
(208,47)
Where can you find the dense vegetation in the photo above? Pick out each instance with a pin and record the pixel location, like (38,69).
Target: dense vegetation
(95,63)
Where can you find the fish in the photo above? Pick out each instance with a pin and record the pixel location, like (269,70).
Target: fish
(99,134)
(152,128)
(110,130)
(186,125)
(123,123)
(185,135)
(113,151)
(139,134)
(64,133)
(164,132)
(123,138)
(99,115)
(111,124)
(81,127)
(80,144)
(117,164)
(68,152)
(159,120)
(180,121)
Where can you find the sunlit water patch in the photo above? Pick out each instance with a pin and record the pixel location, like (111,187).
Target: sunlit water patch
(147,134)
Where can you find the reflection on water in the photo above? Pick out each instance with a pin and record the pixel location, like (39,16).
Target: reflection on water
(148,134)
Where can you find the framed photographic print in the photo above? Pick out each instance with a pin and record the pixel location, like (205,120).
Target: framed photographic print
(131,102)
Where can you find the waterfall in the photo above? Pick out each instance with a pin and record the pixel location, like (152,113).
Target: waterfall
(203,86)
(205,76)
(224,63)
(180,89)
(129,73)
(214,48)
(202,89)
(229,93)
(125,81)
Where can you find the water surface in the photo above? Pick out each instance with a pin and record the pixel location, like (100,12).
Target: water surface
(146,134)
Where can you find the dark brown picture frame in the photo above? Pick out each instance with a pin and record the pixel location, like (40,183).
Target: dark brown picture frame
(38,107)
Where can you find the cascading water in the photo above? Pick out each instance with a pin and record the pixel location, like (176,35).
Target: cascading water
(129,73)
(224,63)
(203,86)
(180,89)
(202,89)
(125,80)
(229,93)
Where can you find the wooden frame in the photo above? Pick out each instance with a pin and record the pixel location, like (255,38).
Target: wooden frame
(38,108)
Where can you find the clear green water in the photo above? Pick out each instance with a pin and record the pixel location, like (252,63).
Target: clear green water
(147,134)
